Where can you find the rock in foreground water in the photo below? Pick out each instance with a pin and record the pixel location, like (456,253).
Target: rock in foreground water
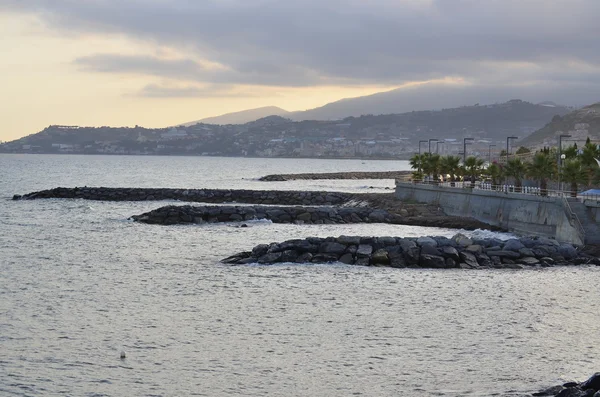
(425,252)
(589,388)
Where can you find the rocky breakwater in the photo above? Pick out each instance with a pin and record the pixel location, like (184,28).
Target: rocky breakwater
(171,215)
(402,175)
(193,195)
(424,252)
(588,388)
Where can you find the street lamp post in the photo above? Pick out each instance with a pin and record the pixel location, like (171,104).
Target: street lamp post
(490,154)
(420,142)
(560,157)
(437,146)
(508,138)
(431,140)
(465,148)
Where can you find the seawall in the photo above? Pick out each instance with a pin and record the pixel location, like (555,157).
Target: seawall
(519,213)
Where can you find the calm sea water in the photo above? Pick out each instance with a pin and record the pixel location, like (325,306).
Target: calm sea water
(79,283)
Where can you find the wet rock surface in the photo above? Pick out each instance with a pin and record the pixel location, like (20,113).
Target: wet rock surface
(424,252)
(187,214)
(588,388)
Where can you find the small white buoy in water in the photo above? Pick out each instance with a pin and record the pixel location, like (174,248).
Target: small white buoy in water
(123,355)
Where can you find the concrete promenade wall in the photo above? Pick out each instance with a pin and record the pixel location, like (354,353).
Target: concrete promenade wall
(519,213)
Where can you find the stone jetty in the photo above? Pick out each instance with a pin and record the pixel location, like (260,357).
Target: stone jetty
(281,197)
(186,214)
(588,388)
(424,252)
(402,175)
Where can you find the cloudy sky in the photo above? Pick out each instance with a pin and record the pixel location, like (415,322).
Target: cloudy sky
(162,62)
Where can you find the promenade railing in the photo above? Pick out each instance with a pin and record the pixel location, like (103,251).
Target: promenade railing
(512,189)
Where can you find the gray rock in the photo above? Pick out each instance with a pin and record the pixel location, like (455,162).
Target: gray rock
(450,252)
(429,249)
(571,392)
(432,261)
(450,263)
(567,251)
(386,241)
(378,216)
(364,251)
(332,248)
(462,240)
(325,258)
(426,241)
(270,258)
(513,245)
(348,240)
(548,241)
(469,259)
(528,261)
(526,252)
(304,258)
(397,260)
(504,254)
(380,257)
(593,382)
(289,256)
(347,259)
(362,262)
(260,250)
(474,249)
(304,217)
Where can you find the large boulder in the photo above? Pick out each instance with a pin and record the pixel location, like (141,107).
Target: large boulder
(513,245)
(469,260)
(432,261)
(426,241)
(450,252)
(364,251)
(332,248)
(380,258)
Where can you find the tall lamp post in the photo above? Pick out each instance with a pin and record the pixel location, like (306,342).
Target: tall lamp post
(431,140)
(437,146)
(420,142)
(560,157)
(490,154)
(508,138)
(465,148)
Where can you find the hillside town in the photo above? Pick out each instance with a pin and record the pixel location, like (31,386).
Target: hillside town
(395,136)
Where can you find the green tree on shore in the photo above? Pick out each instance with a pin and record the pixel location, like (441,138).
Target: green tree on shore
(517,170)
(574,173)
(473,167)
(542,169)
(450,165)
(496,173)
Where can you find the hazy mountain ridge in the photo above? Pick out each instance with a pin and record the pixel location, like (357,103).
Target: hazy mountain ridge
(241,117)
(580,124)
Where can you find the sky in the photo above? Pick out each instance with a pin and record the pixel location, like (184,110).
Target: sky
(162,62)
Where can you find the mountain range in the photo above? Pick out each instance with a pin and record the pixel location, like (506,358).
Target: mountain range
(421,97)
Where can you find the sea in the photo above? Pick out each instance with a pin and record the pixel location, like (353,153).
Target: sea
(81,285)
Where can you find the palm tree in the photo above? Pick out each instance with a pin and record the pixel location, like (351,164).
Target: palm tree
(416,162)
(496,173)
(517,170)
(541,169)
(432,166)
(574,172)
(473,168)
(450,165)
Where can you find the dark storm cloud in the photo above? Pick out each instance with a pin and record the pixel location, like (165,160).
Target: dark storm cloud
(311,42)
